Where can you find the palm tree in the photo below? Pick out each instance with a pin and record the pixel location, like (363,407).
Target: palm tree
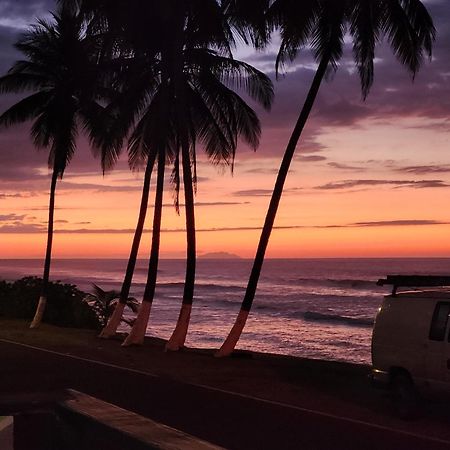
(120,26)
(113,24)
(137,333)
(61,73)
(323,25)
(104,302)
(116,317)
(202,109)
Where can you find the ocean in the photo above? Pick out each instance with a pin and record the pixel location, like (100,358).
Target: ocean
(316,308)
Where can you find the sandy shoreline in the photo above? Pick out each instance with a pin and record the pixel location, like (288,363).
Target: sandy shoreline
(336,388)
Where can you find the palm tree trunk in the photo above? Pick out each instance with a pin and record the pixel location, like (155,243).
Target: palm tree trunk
(178,337)
(137,333)
(116,317)
(48,255)
(236,331)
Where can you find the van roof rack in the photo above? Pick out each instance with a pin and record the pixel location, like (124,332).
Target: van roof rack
(414,281)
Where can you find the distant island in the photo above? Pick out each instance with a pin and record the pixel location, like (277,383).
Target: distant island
(219,255)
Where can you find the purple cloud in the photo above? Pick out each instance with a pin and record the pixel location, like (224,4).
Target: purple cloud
(349,184)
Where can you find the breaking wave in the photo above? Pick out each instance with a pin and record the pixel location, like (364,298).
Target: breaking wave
(356,321)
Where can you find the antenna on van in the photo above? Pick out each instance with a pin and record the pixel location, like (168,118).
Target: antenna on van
(414,281)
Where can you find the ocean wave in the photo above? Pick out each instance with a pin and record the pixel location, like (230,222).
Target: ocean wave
(353,283)
(320,317)
(211,287)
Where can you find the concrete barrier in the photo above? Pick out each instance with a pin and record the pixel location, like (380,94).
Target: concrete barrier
(80,422)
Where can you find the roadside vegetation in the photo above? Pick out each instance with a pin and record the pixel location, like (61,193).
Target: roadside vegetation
(65,307)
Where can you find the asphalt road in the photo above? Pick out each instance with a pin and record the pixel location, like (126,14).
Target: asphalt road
(226,419)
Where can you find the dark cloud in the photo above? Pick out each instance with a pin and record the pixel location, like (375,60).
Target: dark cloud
(262,171)
(399,223)
(38,229)
(20,228)
(20,13)
(349,184)
(16,195)
(197,204)
(424,170)
(341,112)
(15,17)
(253,193)
(11,217)
(31,229)
(98,187)
(60,208)
(341,166)
(310,158)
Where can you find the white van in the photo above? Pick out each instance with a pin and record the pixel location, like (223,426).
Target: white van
(411,337)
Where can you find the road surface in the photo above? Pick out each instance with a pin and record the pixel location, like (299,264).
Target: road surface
(230,420)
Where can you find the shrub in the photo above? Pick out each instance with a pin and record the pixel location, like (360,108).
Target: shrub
(65,306)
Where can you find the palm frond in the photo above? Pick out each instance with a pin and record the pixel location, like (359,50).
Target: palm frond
(422,24)
(365,24)
(236,74)
(295,21)
(327,39)
(247,18)
(26,109)
(20,82)
(409,30)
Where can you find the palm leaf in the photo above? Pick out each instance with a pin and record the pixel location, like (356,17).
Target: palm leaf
(26,109)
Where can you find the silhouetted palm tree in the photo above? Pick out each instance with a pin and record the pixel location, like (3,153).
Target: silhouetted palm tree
(62,74)
(323,24)
(197,106)
(104,302)
(116,26)
(184,56)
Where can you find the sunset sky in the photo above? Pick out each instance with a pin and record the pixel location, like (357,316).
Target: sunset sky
(370,178)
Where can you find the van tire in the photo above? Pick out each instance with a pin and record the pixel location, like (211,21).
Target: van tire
(406,397)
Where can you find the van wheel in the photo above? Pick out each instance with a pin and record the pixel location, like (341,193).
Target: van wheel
(406,398)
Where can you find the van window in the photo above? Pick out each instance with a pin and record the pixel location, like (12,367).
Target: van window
(439,321)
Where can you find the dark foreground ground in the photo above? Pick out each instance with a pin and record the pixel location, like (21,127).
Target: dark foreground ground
(250,402)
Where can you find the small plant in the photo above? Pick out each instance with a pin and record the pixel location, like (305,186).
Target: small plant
(103,304)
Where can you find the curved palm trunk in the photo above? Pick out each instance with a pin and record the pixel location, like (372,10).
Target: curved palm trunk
(178,337)
(137,333)
(116,317)
(48,255)
(236,331)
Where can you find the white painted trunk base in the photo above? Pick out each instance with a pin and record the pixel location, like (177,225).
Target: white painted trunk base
(39,312)
(178,337)
(137,333)
(235,333)
(113,322)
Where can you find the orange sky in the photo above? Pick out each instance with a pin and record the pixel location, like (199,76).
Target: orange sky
(313,221)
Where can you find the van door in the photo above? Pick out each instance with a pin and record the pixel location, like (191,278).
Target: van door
(438,346)
(447,356)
